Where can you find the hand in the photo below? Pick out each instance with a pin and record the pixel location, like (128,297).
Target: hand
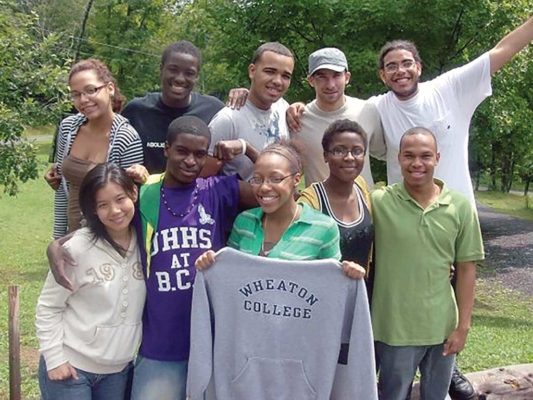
(237,98)
(138,173)
(205,260)
(52,177)
(455,342)
(294,115)
(353,270)
(58,258)
(64,371)
(227,150)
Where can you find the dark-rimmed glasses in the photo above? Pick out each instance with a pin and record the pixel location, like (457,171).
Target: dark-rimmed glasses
(89,91)
(393,67)
(342,152)
(275,180)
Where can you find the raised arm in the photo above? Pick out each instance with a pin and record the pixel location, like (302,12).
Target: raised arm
(511,44)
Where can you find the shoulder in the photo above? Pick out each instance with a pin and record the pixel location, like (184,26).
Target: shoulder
(310,196)
(217,183)
(363,185)
(72,121)
(379,99)
(354,101)
(249,216)
(124,129)
(223,123)
(316,218)
(80,241)
(207,99)
(459,200)
(225,115)
(384,192)
(149,99)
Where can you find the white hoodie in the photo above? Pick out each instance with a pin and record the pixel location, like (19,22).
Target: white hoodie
(97,327)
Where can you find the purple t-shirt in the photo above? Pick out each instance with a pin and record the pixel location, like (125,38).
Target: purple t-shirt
(178,241)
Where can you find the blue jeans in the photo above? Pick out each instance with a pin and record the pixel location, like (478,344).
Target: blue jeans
(88,386)
(159,380)
(397,369)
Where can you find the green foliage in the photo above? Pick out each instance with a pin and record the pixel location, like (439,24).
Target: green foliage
(30,91)
(502,125)
(130,31)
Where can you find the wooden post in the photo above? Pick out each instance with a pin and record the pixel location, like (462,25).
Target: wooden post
(14,344)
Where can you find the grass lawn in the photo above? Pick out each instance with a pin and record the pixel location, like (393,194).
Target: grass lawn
(513,204)
(502,331)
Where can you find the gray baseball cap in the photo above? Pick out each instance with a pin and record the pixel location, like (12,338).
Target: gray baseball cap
(327,58)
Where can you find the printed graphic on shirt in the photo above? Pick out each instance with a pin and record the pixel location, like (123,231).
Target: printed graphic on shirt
(298,292)
(108,272)
(271,129)
(205,218)
(170,244)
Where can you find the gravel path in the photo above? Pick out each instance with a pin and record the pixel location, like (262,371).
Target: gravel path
(509,249)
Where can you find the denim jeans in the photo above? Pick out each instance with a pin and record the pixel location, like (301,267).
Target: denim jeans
(398,365)
(159,380)
(88,386)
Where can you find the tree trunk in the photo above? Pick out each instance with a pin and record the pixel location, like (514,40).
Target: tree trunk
(494,150)
(82,30)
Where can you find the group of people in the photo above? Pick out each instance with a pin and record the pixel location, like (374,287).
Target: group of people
(134,249)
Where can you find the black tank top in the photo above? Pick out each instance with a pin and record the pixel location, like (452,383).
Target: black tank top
(356,237)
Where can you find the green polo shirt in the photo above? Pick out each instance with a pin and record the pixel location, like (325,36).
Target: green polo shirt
(413,302)
(312,236)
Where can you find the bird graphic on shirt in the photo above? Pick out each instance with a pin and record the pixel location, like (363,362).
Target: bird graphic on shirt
(205,218)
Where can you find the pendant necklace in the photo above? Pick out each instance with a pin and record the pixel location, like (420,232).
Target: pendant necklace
(187,211)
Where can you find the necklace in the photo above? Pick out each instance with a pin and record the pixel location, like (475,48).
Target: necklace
(188,210)
(264,250)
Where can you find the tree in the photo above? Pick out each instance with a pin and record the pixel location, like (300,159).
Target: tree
(30,91)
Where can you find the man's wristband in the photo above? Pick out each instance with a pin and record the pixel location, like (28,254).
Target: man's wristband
(243,142)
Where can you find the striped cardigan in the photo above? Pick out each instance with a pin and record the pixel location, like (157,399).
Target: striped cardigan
(125,149)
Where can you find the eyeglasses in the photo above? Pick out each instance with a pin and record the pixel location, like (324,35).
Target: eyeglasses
(405,64)
(342,152)
(275,180)
(89,91)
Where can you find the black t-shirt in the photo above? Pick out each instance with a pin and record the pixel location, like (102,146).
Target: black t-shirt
(151,118)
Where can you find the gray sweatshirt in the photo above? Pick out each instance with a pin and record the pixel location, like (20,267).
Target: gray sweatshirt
(271,329)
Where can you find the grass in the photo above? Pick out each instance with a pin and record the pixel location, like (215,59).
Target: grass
(25,232)
(508,203)
(502,331)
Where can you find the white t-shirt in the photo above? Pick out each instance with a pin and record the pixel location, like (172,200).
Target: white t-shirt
(445,106)
(258,127)
(314,123)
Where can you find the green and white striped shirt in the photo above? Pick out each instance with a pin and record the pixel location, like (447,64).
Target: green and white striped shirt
(312,236)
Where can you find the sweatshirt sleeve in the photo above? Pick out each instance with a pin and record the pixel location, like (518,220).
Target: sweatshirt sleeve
(201,353)
(49,322)
(357,379)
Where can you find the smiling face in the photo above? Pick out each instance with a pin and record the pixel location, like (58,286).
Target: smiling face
(329,88)
(401,73)
(178,77)
(186,157)
(273,197)
(418,158)
(345,168)
(270,78)
(115,208)
(90,95)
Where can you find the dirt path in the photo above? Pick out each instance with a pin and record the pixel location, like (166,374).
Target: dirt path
(509,249)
